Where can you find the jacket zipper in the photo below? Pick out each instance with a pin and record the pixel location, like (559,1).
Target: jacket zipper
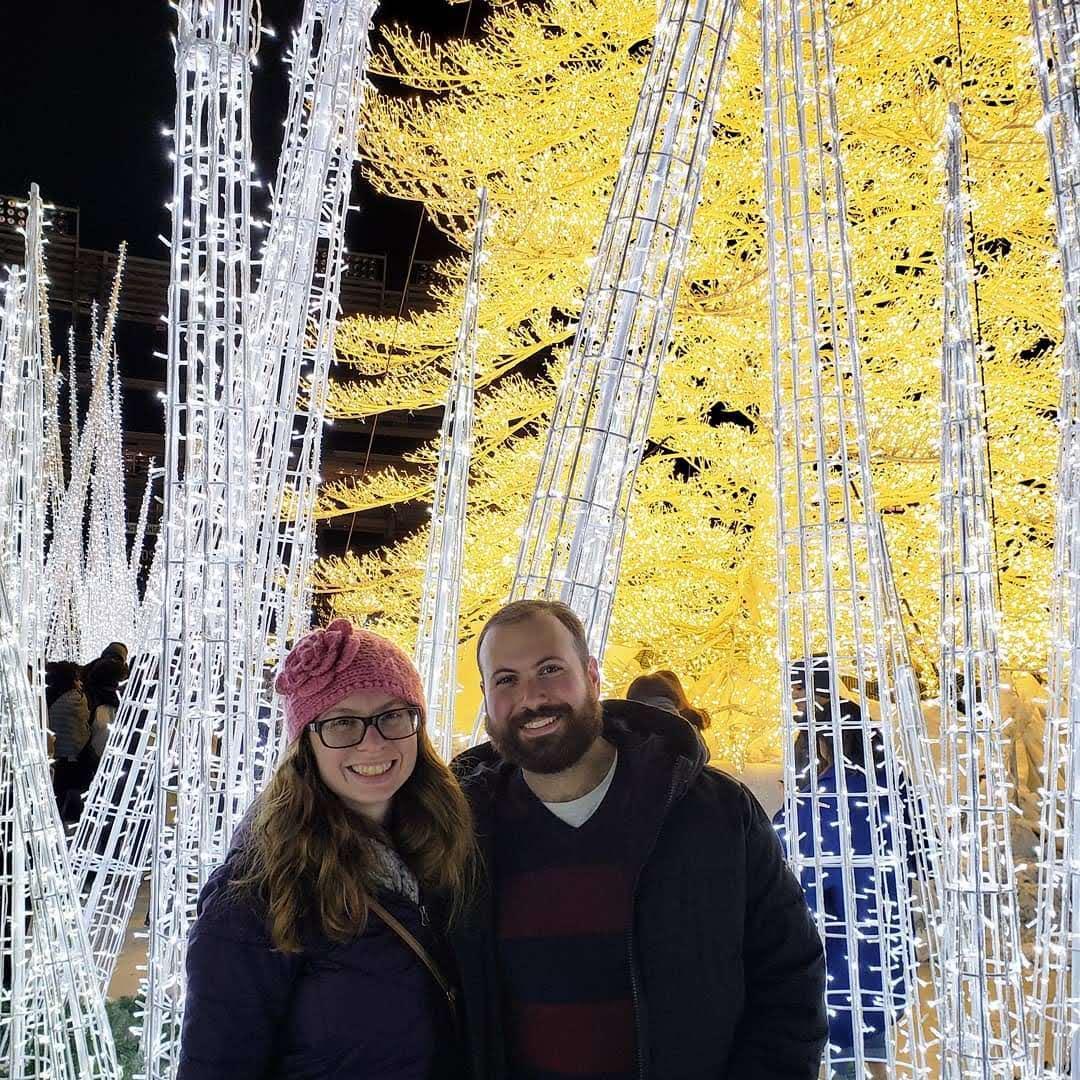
(635,977)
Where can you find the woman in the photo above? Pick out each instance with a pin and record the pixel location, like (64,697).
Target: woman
(663,690)
(297,964)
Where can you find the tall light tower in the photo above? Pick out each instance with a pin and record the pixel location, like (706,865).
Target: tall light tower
(842,779)
(983,1021)
(572,544)
(65,568)
(295,314)
(437,634)
(1054,1007)
(205,708)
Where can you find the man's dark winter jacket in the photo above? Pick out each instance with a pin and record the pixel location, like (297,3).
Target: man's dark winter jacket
(366,1010)
(727,967)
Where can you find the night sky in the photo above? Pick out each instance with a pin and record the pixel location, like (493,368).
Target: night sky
(89,86)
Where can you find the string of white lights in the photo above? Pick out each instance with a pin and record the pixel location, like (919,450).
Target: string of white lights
(71,1038)
(82,567)
(571,546)
(52,1017)
(437,632)
(54,453)
(1054,1005)
(294,320)
(982,1006)
(844,802)
(110,850)
(205,708)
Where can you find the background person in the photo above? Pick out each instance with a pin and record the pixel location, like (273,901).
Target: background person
(880,938)
(101,679)
(74,760)
(663,690)
(292,970)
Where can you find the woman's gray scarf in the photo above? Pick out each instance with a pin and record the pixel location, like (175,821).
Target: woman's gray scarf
(391,873)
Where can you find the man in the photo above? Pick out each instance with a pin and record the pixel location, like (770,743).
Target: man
(637,919)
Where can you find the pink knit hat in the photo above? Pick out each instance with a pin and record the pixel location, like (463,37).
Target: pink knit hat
(325,666)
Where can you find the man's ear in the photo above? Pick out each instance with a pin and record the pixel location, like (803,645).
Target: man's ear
(594,672)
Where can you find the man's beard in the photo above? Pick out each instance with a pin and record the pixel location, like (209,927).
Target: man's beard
(555,752)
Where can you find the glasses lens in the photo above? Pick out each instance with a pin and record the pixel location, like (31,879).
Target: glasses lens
(342,731)
(399,723)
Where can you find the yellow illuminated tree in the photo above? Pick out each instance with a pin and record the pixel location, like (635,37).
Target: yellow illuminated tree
(538,108)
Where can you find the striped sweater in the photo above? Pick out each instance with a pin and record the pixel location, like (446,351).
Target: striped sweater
(563,922)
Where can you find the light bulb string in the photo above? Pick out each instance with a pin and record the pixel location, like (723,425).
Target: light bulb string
(978,316)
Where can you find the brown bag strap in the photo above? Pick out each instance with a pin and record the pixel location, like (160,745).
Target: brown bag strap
(420,951)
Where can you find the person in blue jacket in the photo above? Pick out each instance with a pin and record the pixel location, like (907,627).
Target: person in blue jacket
(871,905)
(297,966)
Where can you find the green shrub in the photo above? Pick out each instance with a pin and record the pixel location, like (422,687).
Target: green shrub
(121,1020)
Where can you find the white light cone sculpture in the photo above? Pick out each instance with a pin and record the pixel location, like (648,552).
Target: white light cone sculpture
(206,723)
(437,634)
(843,824)
(296,307)
(288,338)
(572,542)
(83,607)
(982,1008)
(1054,1005)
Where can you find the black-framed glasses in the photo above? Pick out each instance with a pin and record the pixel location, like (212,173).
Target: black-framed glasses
(339,732)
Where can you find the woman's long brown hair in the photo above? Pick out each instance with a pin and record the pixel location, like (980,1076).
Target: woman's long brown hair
(309,860)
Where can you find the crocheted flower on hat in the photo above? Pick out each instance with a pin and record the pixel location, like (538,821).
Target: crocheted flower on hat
(318,657)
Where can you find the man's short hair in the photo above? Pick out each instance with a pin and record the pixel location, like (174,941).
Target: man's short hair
(520,610)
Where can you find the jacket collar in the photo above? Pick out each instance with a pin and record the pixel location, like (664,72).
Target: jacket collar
(667,740)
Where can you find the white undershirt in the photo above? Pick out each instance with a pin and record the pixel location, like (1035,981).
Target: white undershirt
(577,811)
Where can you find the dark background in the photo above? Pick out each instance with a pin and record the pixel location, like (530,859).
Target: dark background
(89,87)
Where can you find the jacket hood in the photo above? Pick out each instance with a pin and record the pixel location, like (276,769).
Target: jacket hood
(631,725)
